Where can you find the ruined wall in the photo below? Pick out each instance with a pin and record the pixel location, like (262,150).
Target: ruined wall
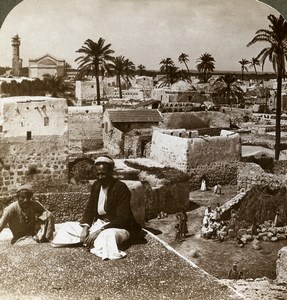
(113,142)
(85,128)
(186,153)
(136,143)
(250,174)
(43,157)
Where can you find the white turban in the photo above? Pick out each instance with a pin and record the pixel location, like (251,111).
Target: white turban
(106,160)
(23,187)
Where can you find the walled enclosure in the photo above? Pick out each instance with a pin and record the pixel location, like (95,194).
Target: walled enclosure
(38,115)
(85,128)
(183,153)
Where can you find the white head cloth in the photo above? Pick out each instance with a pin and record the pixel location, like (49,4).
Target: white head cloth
(27,187)
(106,160)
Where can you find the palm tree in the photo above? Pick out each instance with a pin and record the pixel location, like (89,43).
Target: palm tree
(129,71)
(122,67)
(141,69)
(174,74)
(184,59)
(205,65)
(56,86)
(228,89)
(244,62)
(253,63)
(166,65)
(276,37)
(94,59)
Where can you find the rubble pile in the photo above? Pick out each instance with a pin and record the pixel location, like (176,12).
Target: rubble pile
(261,203)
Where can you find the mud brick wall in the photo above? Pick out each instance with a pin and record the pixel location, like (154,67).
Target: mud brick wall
(187,153)
(223,173)
(22,160)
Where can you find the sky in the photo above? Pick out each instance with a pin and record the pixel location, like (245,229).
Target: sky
(145,31)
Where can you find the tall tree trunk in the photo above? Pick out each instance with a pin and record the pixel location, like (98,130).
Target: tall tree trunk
(120,87)
(98,90)
(256,73)
(278,112)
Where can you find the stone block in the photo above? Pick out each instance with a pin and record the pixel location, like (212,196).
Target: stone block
(280,229)
(242,231)
(137,190)
(265,238)
(247,237)
(272,229)
(270,235)
(274,239)
(281,236)
(262,234)
(256,244)
(249,231)
(231,233)
(281,266)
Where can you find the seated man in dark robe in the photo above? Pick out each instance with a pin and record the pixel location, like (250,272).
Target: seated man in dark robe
(108,220)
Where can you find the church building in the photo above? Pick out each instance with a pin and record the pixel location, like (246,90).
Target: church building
(46,64)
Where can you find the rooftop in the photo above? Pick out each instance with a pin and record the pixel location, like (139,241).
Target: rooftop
(134,115)
(150,271)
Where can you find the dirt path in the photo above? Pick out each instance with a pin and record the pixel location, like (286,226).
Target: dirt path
(217,257)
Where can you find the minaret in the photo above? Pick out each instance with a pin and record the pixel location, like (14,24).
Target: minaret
(16,60)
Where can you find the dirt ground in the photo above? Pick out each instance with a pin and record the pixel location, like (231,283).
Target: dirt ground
(217,257)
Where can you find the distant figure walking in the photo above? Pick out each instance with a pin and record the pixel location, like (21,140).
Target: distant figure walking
(203,186)
(217,189)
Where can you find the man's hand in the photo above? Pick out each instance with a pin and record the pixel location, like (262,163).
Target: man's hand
(89,241)
(84,234)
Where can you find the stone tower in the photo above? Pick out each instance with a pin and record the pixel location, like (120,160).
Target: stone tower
(16,60)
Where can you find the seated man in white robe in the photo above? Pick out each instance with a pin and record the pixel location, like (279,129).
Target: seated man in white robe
(108,219)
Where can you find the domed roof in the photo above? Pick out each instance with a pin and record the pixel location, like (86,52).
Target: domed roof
(182,86)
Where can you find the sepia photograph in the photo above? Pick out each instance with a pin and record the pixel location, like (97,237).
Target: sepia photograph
(143,150)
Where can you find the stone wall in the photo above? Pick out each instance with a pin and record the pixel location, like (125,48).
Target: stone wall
(224,173)
(250,174)
(281,266)
(136,143)
(186,153)
(113,142)
(70,205)
(169,198)
(85,128)
(44,158)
